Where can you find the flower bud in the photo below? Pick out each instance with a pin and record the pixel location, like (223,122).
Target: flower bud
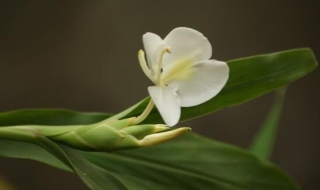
(116,135)
(158,138)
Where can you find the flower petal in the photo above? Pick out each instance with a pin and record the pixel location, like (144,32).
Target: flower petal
(167,102)
(186,43)
(151,44)
(207,81)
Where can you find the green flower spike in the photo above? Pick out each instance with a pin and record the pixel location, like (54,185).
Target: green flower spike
(117,135)
(108,135)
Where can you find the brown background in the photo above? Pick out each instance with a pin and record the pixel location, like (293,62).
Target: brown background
(82,55)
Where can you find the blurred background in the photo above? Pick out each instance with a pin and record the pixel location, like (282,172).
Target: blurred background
(82,55)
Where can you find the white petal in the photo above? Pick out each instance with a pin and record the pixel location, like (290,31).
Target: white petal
(167,102)
(208,80)
(151,44)
(187,43)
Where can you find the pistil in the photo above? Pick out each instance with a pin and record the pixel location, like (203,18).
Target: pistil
(165,50)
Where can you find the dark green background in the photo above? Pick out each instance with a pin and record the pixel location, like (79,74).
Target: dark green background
(82,55)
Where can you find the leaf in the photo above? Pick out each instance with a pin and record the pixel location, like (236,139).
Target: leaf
(249,78)
(93,176)
(64,158)
(49,117)
(60,156)
(264,141)
(18,149)
(190,162)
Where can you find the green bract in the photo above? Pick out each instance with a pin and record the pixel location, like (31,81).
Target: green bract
(107,135)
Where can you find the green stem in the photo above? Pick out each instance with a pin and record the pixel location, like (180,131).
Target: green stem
(31,132)
(17,133)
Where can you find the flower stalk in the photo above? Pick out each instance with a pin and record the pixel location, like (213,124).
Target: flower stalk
(108,136)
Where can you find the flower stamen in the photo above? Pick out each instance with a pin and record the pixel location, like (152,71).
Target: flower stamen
(165,50)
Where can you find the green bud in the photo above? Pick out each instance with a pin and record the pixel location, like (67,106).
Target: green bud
(91,137)
(158,138)
(116,135)
(140,131)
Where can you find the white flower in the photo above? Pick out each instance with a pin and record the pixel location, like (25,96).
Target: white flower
(180,68)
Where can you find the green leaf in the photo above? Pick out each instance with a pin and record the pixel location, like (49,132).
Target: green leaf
(49,117)
(48,152)
(62,157)
(263,143)
(41,117)
(94,177)
(18,149)
(249,78)
(190,162)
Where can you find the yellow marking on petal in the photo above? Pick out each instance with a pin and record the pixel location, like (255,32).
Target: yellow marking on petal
(182,70)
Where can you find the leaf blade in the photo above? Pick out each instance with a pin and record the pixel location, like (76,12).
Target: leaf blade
(263,143)
(18,149)
(252,77)
(49,117)
(268,72)
(218,166)
(206,164)
(93,176)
